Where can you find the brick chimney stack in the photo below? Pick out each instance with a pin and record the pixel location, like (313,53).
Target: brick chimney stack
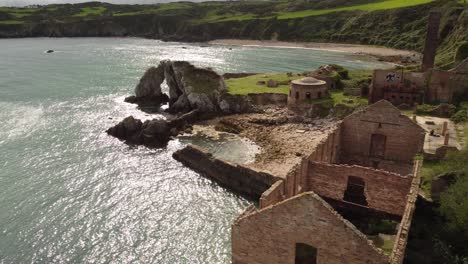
(432,40)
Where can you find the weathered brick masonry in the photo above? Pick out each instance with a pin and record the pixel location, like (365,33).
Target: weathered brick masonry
(271,234)
(291,213)
(367,162)
(385,191)
(381,137)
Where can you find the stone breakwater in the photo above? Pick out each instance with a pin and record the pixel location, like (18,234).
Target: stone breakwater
(237,178)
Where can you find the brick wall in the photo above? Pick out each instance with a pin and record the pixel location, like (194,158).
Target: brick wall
(401,240)
(405,87)
(273,195)
(432,40)
(404,138)
(440,86)
(270,235)
(328,149)
(385,191)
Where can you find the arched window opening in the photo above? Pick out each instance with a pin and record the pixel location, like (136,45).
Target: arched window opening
(305,254)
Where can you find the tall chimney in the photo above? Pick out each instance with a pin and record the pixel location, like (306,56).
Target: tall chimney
(432,40)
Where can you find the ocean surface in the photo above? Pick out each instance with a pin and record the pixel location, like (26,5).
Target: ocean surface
(69,193)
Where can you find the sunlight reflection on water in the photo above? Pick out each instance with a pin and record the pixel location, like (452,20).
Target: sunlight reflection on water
(72,194)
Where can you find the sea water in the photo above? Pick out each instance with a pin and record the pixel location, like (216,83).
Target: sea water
(69,193)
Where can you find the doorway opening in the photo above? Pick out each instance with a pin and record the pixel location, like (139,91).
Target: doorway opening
(305,254)
(355,191)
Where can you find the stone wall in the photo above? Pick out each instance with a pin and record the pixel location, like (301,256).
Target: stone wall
(384,191)
(235,177)
(270,235)
(268,98)
(273,195)
(352,91)
(328,150)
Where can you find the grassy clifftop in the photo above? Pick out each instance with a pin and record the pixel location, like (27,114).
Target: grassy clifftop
(391,23)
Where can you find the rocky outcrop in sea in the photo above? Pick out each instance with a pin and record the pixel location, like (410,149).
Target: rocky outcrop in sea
(152,133)
(194,94)
(190,88)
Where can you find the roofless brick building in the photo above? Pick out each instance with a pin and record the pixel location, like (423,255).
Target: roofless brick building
(366,166)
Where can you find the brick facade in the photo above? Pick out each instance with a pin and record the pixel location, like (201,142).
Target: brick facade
(384,191)
(402,139)
(270,235)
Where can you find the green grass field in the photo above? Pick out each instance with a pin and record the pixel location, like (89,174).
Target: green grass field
(18,10)
(389,4)
(248,84)
(351,101)
(11,22)
(86,11)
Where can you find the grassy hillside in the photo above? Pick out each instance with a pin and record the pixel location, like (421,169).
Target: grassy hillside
(384,5)
(391,23)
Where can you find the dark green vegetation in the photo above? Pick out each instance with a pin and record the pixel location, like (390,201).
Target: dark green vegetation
(439,233)
(391,23)
(461,115)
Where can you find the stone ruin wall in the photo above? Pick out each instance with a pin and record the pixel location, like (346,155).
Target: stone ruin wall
(438,86)
(296,179)
(401,240)
(320,172)
(268,98)
(236,177)
(384,191)
(270,235)
(403,140)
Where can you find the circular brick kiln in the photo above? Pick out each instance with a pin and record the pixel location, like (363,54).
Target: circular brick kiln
(305,90)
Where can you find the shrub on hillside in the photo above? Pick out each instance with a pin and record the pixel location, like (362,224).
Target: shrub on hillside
(462,52)
(460,116)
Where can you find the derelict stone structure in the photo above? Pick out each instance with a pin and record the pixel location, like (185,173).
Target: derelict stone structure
(399,87)
(291,215)
(306,89)
(432,40)
(298,219)
(274,234)
(379,136)
(430,85)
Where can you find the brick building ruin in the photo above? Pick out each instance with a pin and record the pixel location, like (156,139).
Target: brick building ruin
(304,90)
(366,166)
(430,85)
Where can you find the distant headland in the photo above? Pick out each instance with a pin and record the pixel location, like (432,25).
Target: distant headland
(390,23)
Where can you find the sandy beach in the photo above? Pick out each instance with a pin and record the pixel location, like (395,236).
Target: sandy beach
(380,52)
